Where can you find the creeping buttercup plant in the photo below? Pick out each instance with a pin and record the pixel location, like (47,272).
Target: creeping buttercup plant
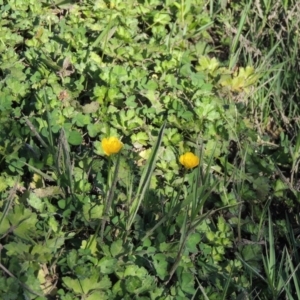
(142,146)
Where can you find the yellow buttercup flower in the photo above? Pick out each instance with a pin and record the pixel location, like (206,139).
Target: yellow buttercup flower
(111,145)
(189,160)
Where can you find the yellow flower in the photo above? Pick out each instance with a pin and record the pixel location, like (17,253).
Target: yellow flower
(111,145)
(189,160)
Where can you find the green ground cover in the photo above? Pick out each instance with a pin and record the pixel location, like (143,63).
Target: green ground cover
(149,149)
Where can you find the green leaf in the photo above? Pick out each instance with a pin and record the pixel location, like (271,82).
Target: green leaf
(98,148)
(161,265)
(61,203)
(41,253)
(116,248)
(251,252)
(98,295)
(24,221)
(91,243)
(35,202)
(193,241)
(94,129)
(75,138)
(72,259)
(104,283)
(100,93)
(55,243)
(261,184)
(9,287)
(91,283)
(4,226)
(222,225)
(140,138)
(187,283)
(82,120)
(14,248)
(208,64)
(92,211)
(148,284)
(161,18)
(73,284)
(134,270)
(280,188)
(132,283)
(31,281)
(107,265)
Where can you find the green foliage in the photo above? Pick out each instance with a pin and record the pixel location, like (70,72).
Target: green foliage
(167,78)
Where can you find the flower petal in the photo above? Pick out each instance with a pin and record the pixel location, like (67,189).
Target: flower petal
(189,160)
(111,145)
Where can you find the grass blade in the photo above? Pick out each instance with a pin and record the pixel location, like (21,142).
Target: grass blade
(145,179)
